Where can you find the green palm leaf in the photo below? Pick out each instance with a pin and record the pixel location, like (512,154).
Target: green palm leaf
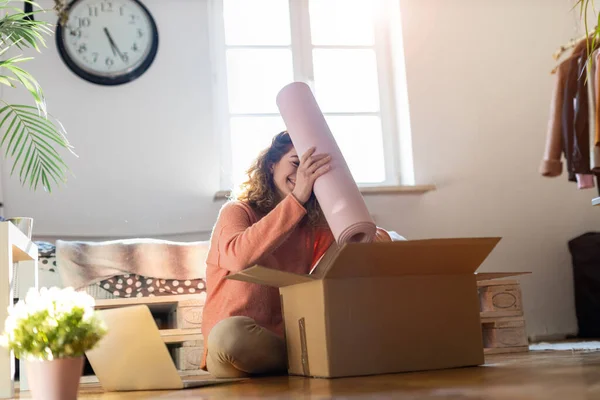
(26,79)
(21,31)
(28,136)
(30,139)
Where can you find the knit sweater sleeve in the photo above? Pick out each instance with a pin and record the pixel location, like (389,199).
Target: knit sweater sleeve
(241,243)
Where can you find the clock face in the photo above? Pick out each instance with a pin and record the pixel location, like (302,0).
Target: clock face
(108,42)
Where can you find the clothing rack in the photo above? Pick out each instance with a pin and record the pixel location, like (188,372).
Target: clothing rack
(565,47)
(572,44)
(573,129)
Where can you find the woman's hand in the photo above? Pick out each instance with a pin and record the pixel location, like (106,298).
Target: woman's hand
(311,167)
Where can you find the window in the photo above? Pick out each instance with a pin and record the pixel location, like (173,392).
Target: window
(341,48)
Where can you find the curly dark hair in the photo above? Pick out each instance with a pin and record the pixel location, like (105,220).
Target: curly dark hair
(259,190)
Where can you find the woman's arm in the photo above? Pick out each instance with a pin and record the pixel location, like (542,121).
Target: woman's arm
(241,243)
(382,236)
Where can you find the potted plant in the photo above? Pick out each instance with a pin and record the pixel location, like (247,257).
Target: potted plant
(28,133)
(587,12)
(51,330)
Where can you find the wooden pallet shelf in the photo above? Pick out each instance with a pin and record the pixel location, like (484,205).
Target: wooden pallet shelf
(173,336)
(502,319)
(154,303)
(179,319)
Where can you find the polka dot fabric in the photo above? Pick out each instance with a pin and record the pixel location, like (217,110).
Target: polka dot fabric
(141,286)
(47,263)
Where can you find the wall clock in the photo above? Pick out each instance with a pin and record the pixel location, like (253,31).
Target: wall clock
(108,42)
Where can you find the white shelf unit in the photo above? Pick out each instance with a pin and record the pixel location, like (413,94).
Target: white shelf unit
(14,247)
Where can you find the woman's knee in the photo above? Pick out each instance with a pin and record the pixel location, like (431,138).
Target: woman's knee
(227,336)
(238,346)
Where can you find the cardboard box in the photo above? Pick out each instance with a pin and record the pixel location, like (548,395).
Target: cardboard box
(382,308)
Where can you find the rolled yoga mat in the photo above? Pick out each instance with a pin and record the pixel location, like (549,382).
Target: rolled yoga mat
(337,193)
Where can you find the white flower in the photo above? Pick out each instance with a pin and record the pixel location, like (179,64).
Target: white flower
(10,324)
(52,322)
(19,310)
(57,306)
(83,299)
(88,314)
(4,340)
(35,301)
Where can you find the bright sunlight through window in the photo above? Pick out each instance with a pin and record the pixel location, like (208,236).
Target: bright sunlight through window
(339,47)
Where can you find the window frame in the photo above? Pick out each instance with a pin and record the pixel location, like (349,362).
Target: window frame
(302,62)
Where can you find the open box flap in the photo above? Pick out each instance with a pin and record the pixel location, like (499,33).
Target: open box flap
(320,269)
(413,257)
(486,276)
(269,277)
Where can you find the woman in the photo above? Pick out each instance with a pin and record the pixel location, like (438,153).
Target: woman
(275,222)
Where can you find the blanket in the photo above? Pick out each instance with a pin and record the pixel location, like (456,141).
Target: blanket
(84,263)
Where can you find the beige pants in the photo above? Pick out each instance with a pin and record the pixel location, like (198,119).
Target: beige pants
(238,347)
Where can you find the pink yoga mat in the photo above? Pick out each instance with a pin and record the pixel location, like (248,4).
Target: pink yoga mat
(336,191)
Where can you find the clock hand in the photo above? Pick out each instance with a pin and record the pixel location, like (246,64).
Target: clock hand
(110,41)
(113,45)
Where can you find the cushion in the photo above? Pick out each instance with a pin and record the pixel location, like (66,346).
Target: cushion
(132,285)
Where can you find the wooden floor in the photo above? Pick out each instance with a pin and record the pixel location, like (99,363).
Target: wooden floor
(536,375)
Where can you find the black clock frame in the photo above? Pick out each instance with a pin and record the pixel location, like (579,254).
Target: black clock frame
(104,80)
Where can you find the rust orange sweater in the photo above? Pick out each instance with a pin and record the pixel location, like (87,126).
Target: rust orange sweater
(242,238)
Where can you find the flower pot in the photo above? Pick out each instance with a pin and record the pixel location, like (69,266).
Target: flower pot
(54,380)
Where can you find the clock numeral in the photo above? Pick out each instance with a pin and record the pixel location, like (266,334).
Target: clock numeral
(82,48)
(107,7)
(133,18)
(75,33)
(135,47)
(93,11)
(125,57)
(84,22)
(109,61)
(94,56)
(140,33)
(122,10)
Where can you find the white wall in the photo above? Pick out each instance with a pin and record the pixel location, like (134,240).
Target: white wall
(147,163)
(479,91)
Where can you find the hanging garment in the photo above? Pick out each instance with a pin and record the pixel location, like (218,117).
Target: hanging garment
(585,181)
(596,135)
(580,135)
(569,125)
(591,73)
(551,165)
(575,119)
(596,69)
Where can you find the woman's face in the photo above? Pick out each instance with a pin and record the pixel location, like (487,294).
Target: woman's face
(284,173)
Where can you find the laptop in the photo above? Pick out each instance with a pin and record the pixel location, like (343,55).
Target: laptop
(133,356)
